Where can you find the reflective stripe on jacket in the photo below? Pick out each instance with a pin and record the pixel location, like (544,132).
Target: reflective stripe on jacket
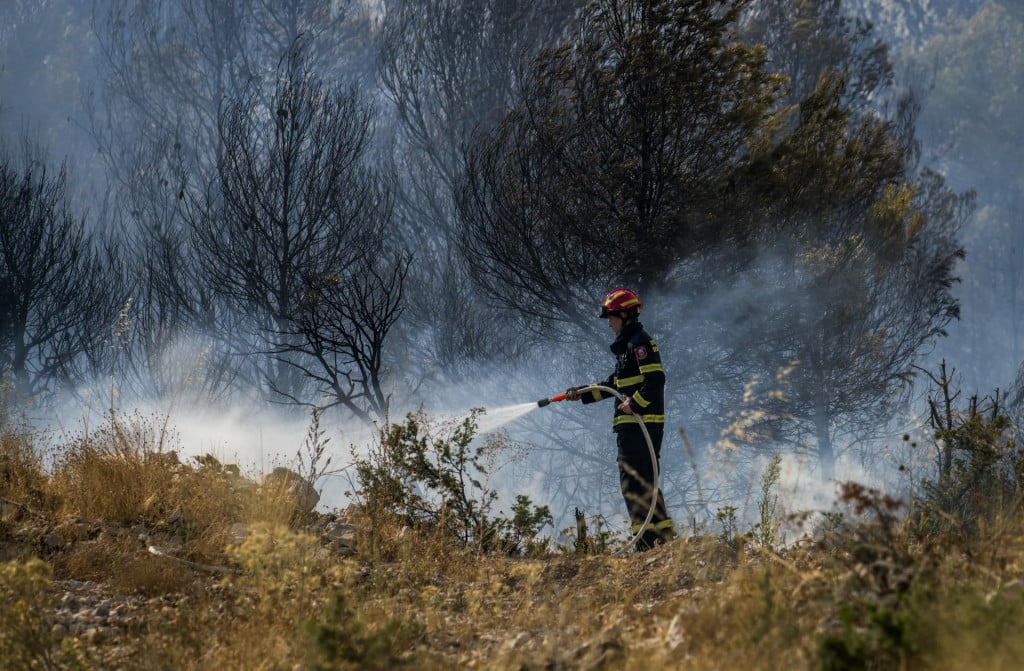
(638,375)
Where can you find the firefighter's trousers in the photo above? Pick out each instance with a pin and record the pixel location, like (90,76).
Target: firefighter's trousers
(636,478)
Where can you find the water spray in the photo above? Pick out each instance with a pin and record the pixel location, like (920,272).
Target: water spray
(650,446)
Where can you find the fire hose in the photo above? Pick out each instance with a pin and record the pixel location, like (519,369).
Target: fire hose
(650,446)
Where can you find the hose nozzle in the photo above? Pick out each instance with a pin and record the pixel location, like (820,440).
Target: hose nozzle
(548,401)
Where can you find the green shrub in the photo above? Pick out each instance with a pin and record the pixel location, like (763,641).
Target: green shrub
(434,476)
(765,531)
(980,466)
(26,639)
(345,639)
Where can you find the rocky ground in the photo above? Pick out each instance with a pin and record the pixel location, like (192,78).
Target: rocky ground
(115,587)
(114,582)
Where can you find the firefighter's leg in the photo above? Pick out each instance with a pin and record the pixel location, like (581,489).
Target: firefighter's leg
(636,477)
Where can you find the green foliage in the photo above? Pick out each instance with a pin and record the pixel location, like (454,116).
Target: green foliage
(984,478)
(26,640)
(586,543)
(282,571)
(869,263)
(872,637)
(435,476)
(882,606)
(804,38)
(765,531)
(981,466)
(346,639)
(965,625)
(614,158)
(521,531)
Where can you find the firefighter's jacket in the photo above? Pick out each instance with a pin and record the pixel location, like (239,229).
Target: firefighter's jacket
(638,375)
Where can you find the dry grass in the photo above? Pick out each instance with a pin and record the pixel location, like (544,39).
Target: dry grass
(874,595)
(21,470)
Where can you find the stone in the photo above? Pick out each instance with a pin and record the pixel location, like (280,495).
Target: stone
(341,536)
(73,530)
(239,531)
(340,532)
(9,512)
(294,486)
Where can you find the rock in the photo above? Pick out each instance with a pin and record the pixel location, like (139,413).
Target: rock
(73,530)
(342,537)
(169,458)
(294,486)
(169,544)
(341,532)
(239,483)
(94,635)
(239,531)
(53,541)
(10,512)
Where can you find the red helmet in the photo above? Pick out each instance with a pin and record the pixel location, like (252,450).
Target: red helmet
(621,300)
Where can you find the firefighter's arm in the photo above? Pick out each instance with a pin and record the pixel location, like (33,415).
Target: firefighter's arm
(594,395)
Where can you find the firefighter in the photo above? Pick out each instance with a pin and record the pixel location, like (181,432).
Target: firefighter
(640,377)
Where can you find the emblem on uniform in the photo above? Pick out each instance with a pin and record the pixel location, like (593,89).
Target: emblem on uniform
(641,352)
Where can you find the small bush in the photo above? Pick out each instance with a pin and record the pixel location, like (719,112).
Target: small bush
(765,531)
(878,606)
(26,640)
(432,476)
(344,639)
(980,477)
(586,543)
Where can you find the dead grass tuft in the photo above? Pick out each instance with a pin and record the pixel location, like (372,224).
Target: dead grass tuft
(116,472)
(21,470)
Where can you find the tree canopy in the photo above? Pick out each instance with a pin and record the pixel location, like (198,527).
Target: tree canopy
(657,137)
(614,161)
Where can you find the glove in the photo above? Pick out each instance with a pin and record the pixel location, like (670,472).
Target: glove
(572,394)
